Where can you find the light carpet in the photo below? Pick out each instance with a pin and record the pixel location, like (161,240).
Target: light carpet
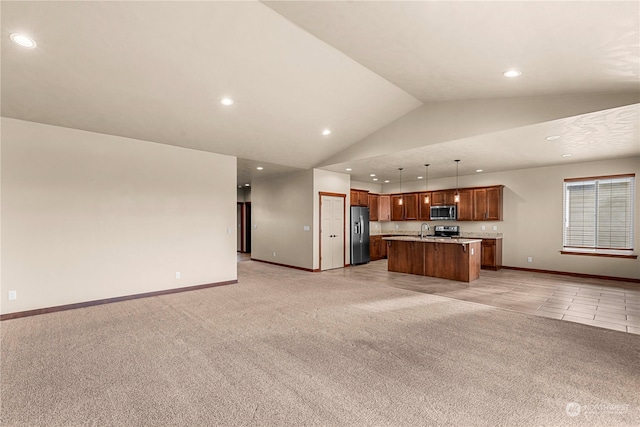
(290,348)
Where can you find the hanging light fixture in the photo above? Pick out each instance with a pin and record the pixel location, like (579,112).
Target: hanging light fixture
(456,197)
(401,195)
(426,183)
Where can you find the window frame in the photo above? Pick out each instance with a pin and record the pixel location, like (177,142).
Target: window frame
(595,250)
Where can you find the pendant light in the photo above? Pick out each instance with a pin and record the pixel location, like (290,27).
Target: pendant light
(456,197)
(401,195)
(426,183)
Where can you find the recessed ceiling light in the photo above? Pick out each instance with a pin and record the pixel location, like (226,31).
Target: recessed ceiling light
(247,185)
(375,179)
(259,168)
(326,132)
(372,174)
(22,40)
(552,137)
(348,169)
(566,155)
(478,170)
(226,101)
(512,73)
(419,177)
(386,181)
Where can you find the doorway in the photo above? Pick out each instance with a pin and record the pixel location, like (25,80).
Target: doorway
(244,227)
(332,215)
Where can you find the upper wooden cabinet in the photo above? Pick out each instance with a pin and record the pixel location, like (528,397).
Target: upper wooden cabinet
(405,211)
(384,207)
(397,208)
(487,203)
(373,207)
(442,198)
(359,197)
(424,206)
(465,205)
(476,204)
(411,207)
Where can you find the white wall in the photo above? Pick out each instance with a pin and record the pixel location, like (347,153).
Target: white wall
(448,121)
(533,216)
(330,182)
(87,216)
(371,187)
(281,207)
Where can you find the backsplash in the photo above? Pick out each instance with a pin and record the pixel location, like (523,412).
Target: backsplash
(407,228)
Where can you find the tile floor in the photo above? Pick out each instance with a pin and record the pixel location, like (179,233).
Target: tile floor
(607,304)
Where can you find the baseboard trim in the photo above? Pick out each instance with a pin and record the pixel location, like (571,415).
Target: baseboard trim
(65,307)
(311,270)
(567,273)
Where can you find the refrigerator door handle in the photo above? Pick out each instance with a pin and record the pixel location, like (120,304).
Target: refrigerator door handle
(361,221)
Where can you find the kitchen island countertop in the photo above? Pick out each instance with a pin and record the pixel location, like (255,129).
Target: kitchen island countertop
(431,239)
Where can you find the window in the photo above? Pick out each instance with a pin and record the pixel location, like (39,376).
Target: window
(598,214)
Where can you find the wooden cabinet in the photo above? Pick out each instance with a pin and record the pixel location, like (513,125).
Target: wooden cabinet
(442,198)
(384,208)
(373,207)
(465,205)
(377,248)
(397,208)
(411,207)
(405,211)
(476,204)
(406,257)
(443,260)
(359,197)
(487,203)
(424,207)
(491,258)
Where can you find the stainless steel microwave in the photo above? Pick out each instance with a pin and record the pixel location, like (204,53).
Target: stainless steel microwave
(444,212)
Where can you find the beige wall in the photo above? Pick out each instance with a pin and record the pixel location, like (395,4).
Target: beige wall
(330,182)
(532,225)
(281,207)
(88,216)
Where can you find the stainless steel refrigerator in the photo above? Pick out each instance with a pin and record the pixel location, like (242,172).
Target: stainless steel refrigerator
(359,235)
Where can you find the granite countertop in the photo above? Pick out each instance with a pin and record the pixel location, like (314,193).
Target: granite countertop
(432,239)
(463,235)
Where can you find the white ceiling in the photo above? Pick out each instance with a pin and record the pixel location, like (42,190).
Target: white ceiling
(157,70)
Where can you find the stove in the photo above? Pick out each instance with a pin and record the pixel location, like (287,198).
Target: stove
(450,231)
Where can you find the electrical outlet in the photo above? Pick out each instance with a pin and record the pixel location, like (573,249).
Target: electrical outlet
(530,259)
(13,295)
(274,254)
(484,228)
(495,228)
(178,275)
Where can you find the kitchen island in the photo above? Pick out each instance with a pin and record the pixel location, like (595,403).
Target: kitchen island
(445,258)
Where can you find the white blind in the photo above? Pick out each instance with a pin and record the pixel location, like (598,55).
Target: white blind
(598,212)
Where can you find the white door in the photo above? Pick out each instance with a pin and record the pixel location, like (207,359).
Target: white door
(331,232)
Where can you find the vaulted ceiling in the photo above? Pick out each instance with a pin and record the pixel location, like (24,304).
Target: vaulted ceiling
(157,71)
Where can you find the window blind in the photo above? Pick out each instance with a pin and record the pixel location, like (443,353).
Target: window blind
(598,212)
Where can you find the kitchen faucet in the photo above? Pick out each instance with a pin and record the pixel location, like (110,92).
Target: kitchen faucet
(422,228)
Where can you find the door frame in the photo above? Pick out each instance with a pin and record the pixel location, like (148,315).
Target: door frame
(344,224)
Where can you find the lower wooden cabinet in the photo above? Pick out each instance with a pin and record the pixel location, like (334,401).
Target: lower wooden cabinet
(491,258)
(377,248)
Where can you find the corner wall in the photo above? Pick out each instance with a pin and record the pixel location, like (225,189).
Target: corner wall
(281,207)
(88,216)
